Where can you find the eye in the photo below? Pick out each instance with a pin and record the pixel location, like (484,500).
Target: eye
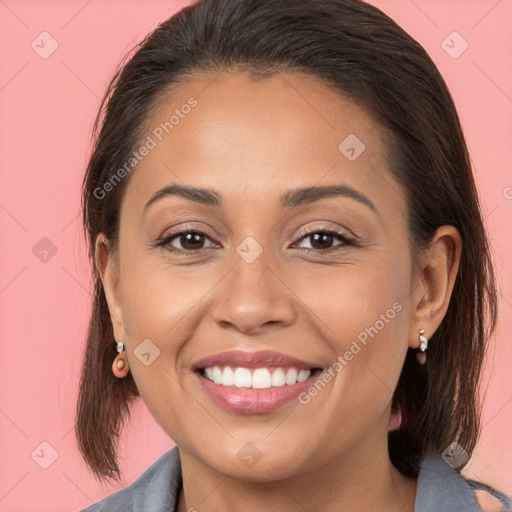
(188,240)
(323,238)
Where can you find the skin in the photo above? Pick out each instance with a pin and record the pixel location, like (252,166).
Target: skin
(252,142)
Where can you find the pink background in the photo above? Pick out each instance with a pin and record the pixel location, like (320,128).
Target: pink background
(48,106)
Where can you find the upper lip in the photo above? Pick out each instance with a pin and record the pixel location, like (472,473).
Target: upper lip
(237,358)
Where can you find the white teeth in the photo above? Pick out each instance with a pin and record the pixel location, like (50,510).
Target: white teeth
(228,377)
(217,375)
(278,378)
(303,375)
(243,378)
(259,378)
(291,376)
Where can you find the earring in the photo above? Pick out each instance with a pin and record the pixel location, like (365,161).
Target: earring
(421,356)
(120,364)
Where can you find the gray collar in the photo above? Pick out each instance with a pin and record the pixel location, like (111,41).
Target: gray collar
(442,488)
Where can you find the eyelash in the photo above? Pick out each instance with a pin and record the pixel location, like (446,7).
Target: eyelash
(346,241)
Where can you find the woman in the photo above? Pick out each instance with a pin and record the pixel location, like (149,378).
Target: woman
(291,268)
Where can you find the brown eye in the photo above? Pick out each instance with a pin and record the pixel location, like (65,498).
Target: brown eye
(187,241)
(321,240)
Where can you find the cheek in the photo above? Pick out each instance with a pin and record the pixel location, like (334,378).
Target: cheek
(159,299)
(363,312)
(159,305)
(165,304)
(358,301)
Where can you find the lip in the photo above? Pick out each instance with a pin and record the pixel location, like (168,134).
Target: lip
(248,400)
(252,401)
(264,358)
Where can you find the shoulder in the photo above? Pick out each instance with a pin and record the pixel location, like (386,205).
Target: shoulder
(154,490)
(441,487)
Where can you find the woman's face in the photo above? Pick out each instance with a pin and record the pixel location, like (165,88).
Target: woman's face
(260,276)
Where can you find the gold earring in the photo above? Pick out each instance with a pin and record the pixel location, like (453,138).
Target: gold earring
(421,356)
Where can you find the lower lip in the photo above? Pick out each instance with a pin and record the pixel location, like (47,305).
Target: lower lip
(252,401)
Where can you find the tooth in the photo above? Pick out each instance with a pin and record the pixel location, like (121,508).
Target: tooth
(217,375)
(228,377)
(291,376)
(261,379)
(278,378)
(243,378)
(303,375)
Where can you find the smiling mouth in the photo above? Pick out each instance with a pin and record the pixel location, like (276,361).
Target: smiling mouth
(256,378)
(244,382)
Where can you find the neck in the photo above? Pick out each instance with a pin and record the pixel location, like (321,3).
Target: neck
(357,480)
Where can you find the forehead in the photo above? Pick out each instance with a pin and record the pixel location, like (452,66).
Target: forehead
(256,138)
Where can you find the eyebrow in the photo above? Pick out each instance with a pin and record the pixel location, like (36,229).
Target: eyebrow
(291,199)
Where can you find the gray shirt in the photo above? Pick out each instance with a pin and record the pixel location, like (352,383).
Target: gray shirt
(440,489)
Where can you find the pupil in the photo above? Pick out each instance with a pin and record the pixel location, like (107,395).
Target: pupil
(324,236)
(191,238)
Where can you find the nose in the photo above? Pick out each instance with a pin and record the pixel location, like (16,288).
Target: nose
(252,297)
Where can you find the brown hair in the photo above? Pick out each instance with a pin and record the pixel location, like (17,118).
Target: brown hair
(359,50)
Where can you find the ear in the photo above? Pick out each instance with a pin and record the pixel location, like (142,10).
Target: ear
(434,281)
(107,265)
